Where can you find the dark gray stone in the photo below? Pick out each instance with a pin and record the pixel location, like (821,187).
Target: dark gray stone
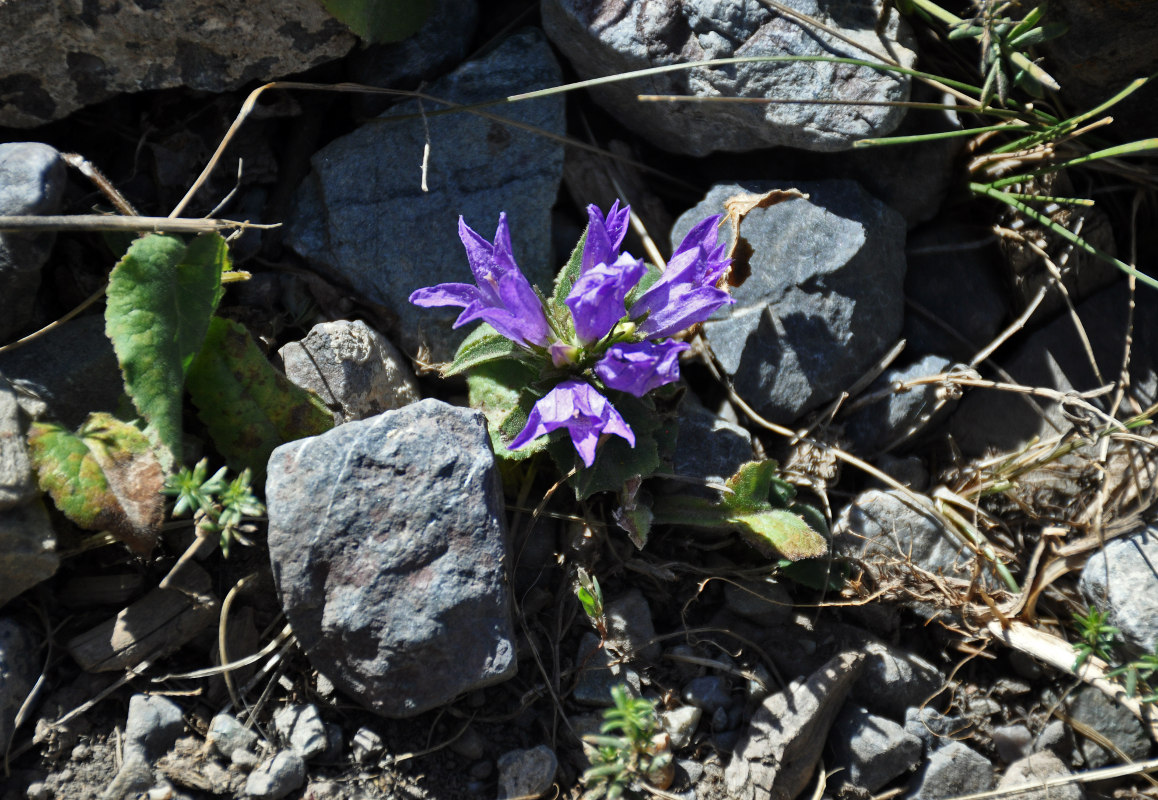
(711,693)
(777,754)
(1092,708)
(881,528)
(362,215)
(1122,579)
(680,724)
(228,735)
(354,370)
(32,178)
(59,58)
(933,728)
(526,773)
(1054,357)
(27,549)
(276,777)
(905,414)
(153,725)
(301,727)
(19,667)
(604,39)
(765,602)
(872,749)
(17,483)
(938,255)
(893,680)
(599,671)
(823,299)
(1013,742)
(441,43)
(388,541)
(67,373)
(1036,769)
(950,771)
(630,630)
(708,447)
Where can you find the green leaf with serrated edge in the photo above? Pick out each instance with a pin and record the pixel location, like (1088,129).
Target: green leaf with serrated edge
(817,573)
(248,406)
(484,344)
(616,461)
(750,486)
(160,298)
(499,390)
(568,275)
(103,477)
(778,531)
(380,21)
(811,514)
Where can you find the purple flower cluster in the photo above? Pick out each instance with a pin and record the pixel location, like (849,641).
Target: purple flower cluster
(628,346)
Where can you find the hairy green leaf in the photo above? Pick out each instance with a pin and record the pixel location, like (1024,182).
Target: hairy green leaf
(483,345)
(777,531)
(103,477)
(248,406)
(380,21)
(160,298)
(498,389)
(567,277)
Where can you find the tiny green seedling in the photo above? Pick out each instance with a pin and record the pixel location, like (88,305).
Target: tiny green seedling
(591,598)
(199,495)
(1097,636)
(629,750)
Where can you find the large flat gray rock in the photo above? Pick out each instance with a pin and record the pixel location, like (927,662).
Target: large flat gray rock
(362,215)
(388,541)
(604,38)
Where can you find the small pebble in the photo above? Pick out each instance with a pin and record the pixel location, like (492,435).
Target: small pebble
(680,724)
(526,773)
(39,791)
(274,778)
(244,760)
(366,745)
(711,693)
(81,752)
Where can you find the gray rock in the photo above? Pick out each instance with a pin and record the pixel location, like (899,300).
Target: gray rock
(708,447)
(599,672)
(932,727)
(952,770)
(276,777)
(872,749)
(909,471)
(776,755)
(938,255)
(388,541)
(906,414)
(711,693)
(60,58)
(18,670)
(1122,578)
(680,724)
(301,727)
(228,735)
(1013,742)
(153,725)
(1036,769)
(526,773)
(27,549)
(822,300)
(1092,708)
(67,373)
(765,602)
(32,178)
(133,778)
(354,370)
(17,483)
(362,215)
(630,630)
(881,528)
(441,43)
(604,40)
(893,679)
(1055,358)
(367,745)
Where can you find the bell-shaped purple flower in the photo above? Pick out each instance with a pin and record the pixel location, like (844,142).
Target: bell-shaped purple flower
(597,297)
(503,297)
(639,367)
(687,292)
(584,412)
(604,235)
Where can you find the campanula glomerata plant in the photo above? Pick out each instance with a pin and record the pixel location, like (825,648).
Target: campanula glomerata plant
(600,344)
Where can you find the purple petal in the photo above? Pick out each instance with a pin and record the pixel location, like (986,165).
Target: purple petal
(532,430)
(684,310)
(524,305)
(604,235)
(584,412)
(597,298)
(703,234)
(640,367)
(445,294)
(479,254)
